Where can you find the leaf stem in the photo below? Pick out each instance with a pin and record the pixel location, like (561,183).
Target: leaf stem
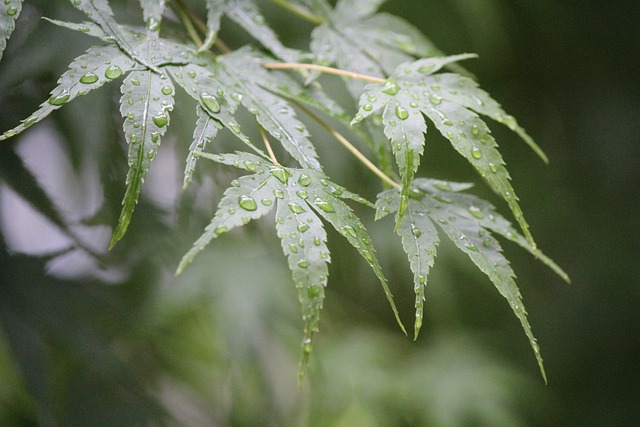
(345,143)
(265,139)
(322,68)
(187,21)
(315,19)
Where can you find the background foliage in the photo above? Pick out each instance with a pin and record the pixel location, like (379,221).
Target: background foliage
(123,342)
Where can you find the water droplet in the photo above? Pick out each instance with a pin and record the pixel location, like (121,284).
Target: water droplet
(443,186)
(367,107)
(135,82)
(402,113)
(12,11)
(476,153)
(9,133)
(155,136)
(471,247)
(371,98)
(358,118)
(426,68)
(414,105)
(59,99)
(29,121)
(234,127)
(221,229)
(293,248)
(475,130)
(442,199)
(304,180)
(391,88)
(347,229)
(315,291)
(113,72)
(153,24)
(303,227)
(281,174)
(416,231)
(247,203)
(493,168)
(307,346)
(447,122)
(296,208)
(89,78)
(236,97)
(210,102)
(266,202)
(166,90)
(486,243)
(160,119)
(303,263)
(278,193)
(476,212)
(317,241)
(324,205)
(435,99)
(192,74)
(302,194)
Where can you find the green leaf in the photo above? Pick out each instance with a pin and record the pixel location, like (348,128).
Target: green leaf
(419,240)
(304,243)
(356,9)
(99,65)
(100,12)
(255,191)
(356,39)
(152,13)
(247,15)
(215,10)
(244,73)
(332,47)
(466,92)
(468,222)
(205,131)
(147,99)
(300,195)
(468,134)
(9,12)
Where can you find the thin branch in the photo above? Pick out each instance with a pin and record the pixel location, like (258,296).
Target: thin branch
(322,68)
(345,143)
(315,19)
(265,139)
(187,20)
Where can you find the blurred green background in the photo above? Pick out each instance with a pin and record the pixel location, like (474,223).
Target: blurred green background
(114,339)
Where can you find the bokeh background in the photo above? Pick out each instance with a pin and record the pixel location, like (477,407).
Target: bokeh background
(89,337)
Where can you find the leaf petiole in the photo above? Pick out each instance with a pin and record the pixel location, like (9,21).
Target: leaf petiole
(322,68)
(345,143)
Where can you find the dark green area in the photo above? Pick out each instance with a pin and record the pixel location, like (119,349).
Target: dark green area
(219,344)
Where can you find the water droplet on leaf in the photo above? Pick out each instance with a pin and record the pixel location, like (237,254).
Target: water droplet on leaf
(324,205)
(210,102)
(89,78)
(296,208)
(247,203)
(59,99)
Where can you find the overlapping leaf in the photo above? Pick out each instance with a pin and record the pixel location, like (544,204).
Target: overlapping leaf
(9,12)
(147,99)
(357,39)
(99,65)
(301,197)
(468,222)
(244,72)
(246,14)
(414,92)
